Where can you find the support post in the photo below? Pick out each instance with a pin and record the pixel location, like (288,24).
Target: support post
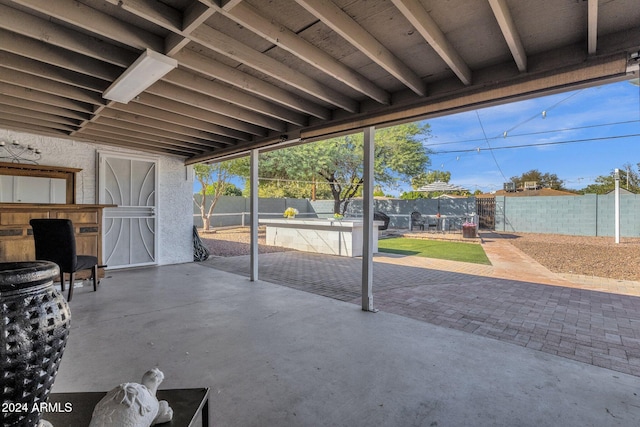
(617,205)
(253,207)
(367,218)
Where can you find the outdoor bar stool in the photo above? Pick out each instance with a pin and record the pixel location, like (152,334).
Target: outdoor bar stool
(55,241)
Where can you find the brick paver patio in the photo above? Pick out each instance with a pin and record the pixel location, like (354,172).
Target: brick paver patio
(514,300)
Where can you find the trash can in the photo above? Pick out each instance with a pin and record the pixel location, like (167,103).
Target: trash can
(469,231)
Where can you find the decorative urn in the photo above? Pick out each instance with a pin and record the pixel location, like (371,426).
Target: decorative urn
(34,326)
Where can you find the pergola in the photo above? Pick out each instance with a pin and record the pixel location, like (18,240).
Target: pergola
(250,74)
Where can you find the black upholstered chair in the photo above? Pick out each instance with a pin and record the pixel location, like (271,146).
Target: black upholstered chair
(55,241)
(416,220)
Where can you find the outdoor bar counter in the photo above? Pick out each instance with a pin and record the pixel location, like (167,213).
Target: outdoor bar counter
(326,236)
(16,237)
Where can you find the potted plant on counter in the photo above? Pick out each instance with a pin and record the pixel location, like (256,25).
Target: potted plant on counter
(290,213)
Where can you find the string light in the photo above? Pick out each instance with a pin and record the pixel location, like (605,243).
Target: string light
(542,144)
(537,133)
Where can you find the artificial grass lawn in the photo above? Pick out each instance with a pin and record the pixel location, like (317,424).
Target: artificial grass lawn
(453,251)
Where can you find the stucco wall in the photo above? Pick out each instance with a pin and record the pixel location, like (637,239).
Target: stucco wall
(175,186)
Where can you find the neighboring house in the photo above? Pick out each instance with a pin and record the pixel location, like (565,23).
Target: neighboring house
(529,193)
(622,191)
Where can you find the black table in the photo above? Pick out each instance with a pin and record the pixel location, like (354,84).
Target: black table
(186,404)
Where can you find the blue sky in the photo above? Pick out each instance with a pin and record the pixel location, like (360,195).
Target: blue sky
(600,112)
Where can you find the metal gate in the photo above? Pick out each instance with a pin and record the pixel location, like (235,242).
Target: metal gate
(130,229)
(486,209)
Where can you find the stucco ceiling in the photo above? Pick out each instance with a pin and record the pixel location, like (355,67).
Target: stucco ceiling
(254,72)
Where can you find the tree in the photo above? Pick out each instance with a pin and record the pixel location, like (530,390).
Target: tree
(230,189)
(214,182)
(338,162)
(546,180)
(412,195)
(629,179)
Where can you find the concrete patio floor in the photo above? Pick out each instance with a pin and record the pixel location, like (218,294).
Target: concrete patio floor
(276,356)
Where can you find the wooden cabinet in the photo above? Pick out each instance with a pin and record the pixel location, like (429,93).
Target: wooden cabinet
(16,236)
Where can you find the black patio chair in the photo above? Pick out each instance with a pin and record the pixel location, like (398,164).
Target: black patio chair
(55,241)
(416,220)
(381,216)
(432,224)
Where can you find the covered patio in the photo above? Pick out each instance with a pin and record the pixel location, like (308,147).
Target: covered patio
(273,355)
(256,75)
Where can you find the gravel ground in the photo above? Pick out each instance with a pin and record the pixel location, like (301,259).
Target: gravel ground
(235,241)
(590,256)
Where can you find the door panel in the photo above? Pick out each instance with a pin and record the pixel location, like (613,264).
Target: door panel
(130,229)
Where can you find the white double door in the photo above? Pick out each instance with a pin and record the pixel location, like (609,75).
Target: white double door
(130,230)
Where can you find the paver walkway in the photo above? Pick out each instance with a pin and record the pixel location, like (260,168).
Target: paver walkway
(515,299)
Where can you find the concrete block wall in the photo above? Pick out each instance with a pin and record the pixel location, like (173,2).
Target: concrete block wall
(230,210)
(557,215)
(588,215)
(629,215)
(322,208)
(400,210)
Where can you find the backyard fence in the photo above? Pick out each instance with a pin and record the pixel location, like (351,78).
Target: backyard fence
(588,215)
(234,211)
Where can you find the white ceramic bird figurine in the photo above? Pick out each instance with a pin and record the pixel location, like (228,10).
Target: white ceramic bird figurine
(133,404)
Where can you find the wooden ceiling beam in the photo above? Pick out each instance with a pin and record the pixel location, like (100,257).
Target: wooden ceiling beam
(54,55)
(131,133)
(205,102)
(21,64)
(181,95)
(592,27)
(510,32)
(97,22)
(429,30)
(56,35)
(194,16)
(88,68)
(332,16)
(154,11)
(148,11)
(154,134)
(6,110)
(186,109)
(248,83)
(48,86)
(247,16)
(98,136)
(224,93)
(30,127)
(43,108)
(168,128)
(38,122)
(180,120)
(228,46)
(44,98)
